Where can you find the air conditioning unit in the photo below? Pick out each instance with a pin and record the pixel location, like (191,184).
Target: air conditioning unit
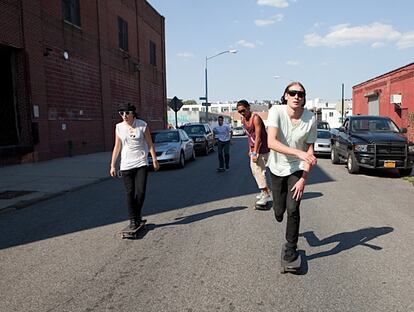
(396,99)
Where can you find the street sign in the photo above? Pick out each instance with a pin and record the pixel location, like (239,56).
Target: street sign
(175,104)
(202,98)
(206,104)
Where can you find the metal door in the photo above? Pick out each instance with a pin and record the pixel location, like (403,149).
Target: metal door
(373,105)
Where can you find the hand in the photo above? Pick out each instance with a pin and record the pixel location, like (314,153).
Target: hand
(112,172)
(254,159)
(308,158)
(155,165)
(298,189)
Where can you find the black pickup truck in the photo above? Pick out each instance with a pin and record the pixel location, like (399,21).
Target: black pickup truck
(372,142)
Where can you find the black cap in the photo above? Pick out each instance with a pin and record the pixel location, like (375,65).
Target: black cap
(127,108)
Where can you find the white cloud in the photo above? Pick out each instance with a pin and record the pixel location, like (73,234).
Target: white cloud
(274,3)
(269,21)
(186,55)
(406,41)
(246,44)
(292,63)
(343,35)
(377,45)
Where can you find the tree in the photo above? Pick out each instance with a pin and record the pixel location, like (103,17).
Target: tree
(189,102)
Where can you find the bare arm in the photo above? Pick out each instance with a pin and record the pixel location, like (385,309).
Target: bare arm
(115,153)
(148,138)
(299,186)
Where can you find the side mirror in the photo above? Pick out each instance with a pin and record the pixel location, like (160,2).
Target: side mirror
(403,130)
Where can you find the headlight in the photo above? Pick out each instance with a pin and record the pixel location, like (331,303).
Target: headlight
(171,151)
(361,147)
(199,139)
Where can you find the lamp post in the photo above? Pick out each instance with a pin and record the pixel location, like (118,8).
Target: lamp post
(209,58)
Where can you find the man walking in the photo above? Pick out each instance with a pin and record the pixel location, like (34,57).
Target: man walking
(222,133)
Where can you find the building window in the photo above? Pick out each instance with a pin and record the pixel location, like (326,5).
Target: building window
(194,109)
(122,34)
(153,53)
(330,114)
(71,11)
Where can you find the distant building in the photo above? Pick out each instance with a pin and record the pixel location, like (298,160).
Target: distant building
(67,65)
(390,94)
(329,111)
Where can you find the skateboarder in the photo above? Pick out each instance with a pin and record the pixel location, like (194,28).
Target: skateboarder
(258,149)
(133,140)
(222,134)
(291,134)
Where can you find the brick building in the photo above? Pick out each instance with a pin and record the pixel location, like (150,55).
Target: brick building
(391,94)
(65,67)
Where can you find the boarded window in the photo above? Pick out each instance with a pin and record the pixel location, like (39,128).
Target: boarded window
(71,11)
(153,53)
(122,34)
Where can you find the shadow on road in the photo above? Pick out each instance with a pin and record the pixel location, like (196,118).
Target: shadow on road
(346,240)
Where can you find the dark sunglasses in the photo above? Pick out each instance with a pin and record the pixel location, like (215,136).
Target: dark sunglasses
(242,111)
(293,93)
(126,113)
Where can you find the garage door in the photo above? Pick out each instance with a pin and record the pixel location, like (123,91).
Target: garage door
(373,105)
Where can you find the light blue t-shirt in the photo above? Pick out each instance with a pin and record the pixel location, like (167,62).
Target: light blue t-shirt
(222,133)
(296,135)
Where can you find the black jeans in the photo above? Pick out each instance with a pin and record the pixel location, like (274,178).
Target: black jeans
(283,201)
(223,147)
(135,181)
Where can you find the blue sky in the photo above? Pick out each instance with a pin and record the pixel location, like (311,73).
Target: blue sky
(321,43)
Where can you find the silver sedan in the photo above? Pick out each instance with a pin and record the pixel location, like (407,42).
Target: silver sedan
(172,147)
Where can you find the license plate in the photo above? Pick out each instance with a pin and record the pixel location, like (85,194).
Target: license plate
(389,164)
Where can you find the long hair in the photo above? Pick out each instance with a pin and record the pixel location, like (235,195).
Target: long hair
(284,101)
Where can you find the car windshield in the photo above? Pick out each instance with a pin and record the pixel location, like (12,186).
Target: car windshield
(197,129)
(238,128)
(373,125)
(322,125)
(324,135)
(163,137)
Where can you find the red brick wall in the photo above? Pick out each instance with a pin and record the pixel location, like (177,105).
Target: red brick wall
(399,81)
(78,98)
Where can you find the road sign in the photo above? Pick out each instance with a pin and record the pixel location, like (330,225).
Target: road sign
(202,98)
(206,104)
(175,104)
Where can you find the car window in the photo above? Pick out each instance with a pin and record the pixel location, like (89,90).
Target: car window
(166,136)
(184,135)
(195,129)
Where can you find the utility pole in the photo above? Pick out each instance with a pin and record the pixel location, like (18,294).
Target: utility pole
(342,117)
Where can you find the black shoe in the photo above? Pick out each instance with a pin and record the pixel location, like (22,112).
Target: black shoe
(290,254)
(221,169)
(133,225)
(227,167)
(279,218)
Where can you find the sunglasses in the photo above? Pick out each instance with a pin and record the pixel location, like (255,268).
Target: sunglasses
(242,111)
(124,113)
(293,93)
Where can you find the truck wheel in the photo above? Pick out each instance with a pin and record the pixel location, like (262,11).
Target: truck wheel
(404,172)
(352,164)
(334,156)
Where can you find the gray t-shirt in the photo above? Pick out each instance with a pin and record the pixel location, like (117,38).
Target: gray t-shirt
(134,146)
(296,135)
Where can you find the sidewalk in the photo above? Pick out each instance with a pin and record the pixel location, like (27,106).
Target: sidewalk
(23,185)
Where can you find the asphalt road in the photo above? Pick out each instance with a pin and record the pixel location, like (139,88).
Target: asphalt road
(206,249)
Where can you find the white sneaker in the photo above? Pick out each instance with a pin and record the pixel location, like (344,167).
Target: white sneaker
(264,200)
(260,195)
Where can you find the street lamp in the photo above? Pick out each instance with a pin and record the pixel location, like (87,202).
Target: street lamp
(209,58)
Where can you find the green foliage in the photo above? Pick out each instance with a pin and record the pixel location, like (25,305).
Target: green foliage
(189,102)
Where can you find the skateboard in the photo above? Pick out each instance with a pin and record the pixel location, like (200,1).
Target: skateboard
(293,267)
(128,233)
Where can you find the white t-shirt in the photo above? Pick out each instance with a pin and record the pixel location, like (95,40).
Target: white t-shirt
(296,135)
(222,133)
(134,146)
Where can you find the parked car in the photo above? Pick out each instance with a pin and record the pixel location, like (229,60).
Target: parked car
(239,131)
(323,125)
(322,144)
(202,136)
(172,146)
(372,142)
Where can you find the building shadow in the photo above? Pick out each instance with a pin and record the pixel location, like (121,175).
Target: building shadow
(345,240)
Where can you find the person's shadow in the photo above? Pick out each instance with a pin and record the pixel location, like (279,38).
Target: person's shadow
(346,240)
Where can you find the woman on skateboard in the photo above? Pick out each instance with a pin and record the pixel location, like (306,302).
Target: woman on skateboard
(291,134)
(133,140)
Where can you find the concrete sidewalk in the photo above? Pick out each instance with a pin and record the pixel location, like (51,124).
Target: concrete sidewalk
(23,185)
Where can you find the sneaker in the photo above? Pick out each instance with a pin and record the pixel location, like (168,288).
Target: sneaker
(264,200)
(258,196)
(221,169)
(133,224)
(290,254)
